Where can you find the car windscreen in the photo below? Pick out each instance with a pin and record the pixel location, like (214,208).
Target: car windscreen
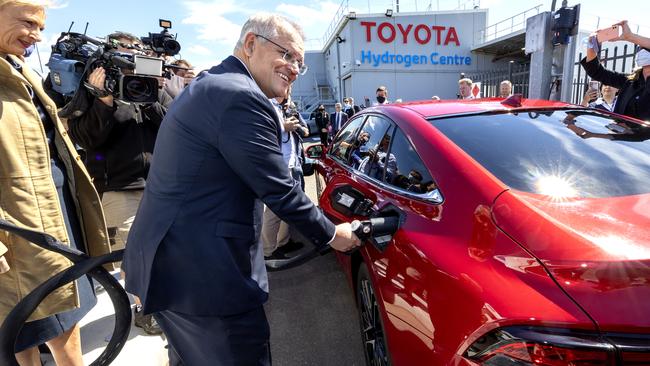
(557,153)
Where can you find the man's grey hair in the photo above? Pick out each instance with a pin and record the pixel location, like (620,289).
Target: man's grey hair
(267,25)
(337,105)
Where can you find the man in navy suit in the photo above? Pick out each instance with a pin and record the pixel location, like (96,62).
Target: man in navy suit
(339,118)
(194,256)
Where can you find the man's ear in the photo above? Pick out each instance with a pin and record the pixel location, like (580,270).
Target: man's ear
(249,44)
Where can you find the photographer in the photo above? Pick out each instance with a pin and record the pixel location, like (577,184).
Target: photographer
(275,232)
(634,96)
(119,142)
(182,75)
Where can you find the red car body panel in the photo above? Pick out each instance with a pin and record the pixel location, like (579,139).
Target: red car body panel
(606,269)
(459,269)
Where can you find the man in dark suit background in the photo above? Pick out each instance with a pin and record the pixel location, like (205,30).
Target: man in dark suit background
(338,119)
(194,256)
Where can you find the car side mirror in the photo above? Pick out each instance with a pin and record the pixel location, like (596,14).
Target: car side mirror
(315,152)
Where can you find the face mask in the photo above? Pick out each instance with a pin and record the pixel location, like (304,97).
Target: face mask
(29,50)
(381,99)
(347,104)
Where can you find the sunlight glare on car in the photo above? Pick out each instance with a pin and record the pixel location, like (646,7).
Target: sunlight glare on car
(555,187)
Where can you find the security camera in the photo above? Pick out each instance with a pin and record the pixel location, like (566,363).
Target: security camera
(357,62)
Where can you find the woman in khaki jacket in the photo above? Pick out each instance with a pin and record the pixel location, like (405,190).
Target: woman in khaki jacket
(43,186)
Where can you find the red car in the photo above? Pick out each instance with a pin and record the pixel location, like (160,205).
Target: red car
(524,236)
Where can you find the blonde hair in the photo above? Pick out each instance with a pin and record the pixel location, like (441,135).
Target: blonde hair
(466,81)
(35,3)
(636,74)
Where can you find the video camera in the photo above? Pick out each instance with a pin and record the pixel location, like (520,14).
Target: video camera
(75,55)
(163,42)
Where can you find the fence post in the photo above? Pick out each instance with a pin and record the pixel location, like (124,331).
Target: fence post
(510,70)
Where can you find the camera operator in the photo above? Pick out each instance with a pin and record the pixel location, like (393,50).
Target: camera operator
(119,141)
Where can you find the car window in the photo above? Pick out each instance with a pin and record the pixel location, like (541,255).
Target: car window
(370,155)
(345,141)
(557,153)
(410,173)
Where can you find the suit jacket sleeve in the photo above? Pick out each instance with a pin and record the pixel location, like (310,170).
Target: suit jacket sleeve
(247,137)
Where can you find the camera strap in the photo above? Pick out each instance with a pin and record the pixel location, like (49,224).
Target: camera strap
(96,92)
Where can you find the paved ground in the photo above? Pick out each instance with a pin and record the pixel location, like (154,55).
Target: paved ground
(311,312)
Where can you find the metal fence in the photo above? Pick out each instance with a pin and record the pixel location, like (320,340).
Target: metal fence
(617,60)
(517,73)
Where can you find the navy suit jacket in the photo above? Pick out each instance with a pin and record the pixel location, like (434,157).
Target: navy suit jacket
(335,127)
(194,246)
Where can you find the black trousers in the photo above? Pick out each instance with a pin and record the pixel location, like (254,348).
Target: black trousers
(323,138)
(234,340)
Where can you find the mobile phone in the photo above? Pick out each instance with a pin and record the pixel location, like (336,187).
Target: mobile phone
(595,85)
(608,33)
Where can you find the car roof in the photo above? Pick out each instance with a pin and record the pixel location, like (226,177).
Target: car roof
(429,108)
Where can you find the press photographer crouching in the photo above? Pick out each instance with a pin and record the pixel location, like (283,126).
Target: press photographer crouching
(119,141)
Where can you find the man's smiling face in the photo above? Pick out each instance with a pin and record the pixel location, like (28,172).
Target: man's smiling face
(271,72)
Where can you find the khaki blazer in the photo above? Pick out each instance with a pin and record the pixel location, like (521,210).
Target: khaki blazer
(29,198)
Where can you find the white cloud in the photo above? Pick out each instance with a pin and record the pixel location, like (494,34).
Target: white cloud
(58,4)
(212,25)
(314,20)
(199,50)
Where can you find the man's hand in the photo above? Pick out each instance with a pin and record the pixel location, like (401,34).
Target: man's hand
(4,266)
(590,95)
(97,79)
(291,124)
(345,240)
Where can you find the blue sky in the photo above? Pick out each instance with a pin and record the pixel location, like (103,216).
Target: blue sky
(208,29)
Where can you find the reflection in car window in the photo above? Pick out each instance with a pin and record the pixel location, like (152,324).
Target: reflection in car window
(412,175)
(557,153)
(370,155)
(345,141)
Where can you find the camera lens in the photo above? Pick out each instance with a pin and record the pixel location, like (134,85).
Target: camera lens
(171,47)
(139,89)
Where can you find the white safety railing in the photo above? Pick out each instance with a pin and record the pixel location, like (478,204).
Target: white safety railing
(343,10)
(506,26)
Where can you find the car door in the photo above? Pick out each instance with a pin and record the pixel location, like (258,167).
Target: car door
(388,170)
(354,160)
